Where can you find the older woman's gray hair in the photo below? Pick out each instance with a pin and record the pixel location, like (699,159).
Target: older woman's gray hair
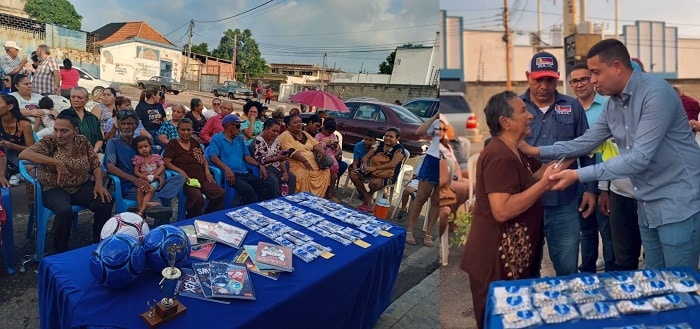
(498,106)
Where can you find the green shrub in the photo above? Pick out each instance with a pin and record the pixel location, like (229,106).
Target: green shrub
(463,223)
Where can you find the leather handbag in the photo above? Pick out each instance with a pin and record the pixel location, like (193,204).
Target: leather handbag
(379,159)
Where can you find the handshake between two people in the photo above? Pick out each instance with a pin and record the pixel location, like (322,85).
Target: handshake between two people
(555,173)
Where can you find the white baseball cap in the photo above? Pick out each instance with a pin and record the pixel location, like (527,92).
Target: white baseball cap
(12,44)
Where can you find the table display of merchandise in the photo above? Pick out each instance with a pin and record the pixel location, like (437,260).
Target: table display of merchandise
(651,299)
(294,261)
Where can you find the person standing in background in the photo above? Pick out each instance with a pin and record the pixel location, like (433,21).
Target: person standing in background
(10,62)
(47,78)
(69,78)
(593,103)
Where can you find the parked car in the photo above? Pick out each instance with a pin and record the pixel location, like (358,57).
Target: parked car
(232,89)
(454,107)
(368,114)
(90,82)
(165,84)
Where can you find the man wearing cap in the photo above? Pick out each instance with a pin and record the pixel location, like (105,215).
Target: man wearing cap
(657,152)
(558,117)
(10,61)
(228,151)
(118,155)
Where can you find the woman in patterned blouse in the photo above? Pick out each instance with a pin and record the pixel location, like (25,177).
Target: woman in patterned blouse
(266,149)
(65,162)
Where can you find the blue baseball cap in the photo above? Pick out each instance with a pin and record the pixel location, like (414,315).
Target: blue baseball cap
(544,64)
(231,118)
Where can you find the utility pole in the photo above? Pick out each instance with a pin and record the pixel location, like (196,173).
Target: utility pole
(189,50)
(235,52)
(323,75)
(506,39)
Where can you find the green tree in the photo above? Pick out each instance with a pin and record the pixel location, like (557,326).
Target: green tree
(58,12)
(202,49)
(248,58)
(387,66)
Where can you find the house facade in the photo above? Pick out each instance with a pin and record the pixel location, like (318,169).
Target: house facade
(134,50)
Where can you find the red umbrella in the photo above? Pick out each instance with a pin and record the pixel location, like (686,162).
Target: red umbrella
(320,99)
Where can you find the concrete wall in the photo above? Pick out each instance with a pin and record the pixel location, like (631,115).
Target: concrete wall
(125,63)
(485,57)
(414,66)
(78,46)
(382,92)
(361,78)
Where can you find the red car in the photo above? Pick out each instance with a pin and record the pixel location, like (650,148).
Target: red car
(378,116)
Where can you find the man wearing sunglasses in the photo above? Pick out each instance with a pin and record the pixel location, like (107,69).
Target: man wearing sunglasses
(558,117)
(229,152)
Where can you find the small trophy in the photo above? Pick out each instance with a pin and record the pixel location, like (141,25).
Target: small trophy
(169,307)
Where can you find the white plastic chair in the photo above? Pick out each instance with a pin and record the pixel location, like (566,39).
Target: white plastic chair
(399,179)
(472,178)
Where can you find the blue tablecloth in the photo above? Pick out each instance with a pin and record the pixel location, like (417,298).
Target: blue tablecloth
(688,315)
(350,290)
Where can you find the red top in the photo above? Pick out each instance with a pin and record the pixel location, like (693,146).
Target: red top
(691,107)
(69,78)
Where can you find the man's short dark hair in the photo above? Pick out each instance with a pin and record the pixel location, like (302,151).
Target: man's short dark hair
(371,133)
(610,50)
(315,118)
(46,103)
(579,66)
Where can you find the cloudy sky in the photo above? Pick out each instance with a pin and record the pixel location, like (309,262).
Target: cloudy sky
(355,34)
(485,14)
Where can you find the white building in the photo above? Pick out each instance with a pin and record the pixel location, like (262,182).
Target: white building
(412,66)
(134,50)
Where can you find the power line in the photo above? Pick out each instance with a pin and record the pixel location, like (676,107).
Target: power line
(339,33)
(173,31)
(236,15)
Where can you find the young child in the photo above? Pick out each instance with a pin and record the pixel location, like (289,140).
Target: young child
(47,120)
(147,166)
(333,150)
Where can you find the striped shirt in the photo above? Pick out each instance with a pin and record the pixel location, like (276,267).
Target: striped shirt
(43,81)
(90,127)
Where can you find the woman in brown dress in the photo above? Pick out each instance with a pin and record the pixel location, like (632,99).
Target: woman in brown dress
(186,157)
(506,232)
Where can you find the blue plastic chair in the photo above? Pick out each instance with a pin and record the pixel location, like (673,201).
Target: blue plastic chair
(181,208)
(230,191)
(8,237)
(42,213)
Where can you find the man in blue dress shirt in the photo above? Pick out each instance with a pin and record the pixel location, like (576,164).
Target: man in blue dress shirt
(558,117)
(657,153)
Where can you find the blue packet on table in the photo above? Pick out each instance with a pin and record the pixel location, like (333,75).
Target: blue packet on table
(618,278)
(544,298)
(558,313)
(520,319)
(584,282)
(635,306)
(685,285)
(512,303)
(588,296)
(655,287)
(625,291)
(683,325)
(672,301)
(646,275)
(550,284)
(598,310)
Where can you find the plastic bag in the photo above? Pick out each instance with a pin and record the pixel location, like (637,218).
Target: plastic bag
(625,291)
(598,310)
(558,313)
(588,296)
(671,301)
(550,284)
(521,319)
(585,282)
(635,306)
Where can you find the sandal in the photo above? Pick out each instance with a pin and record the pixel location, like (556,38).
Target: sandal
(410,239)
(428,241)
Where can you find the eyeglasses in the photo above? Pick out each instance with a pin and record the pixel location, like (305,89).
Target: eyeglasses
(216,104)
(441,129)
(237,125)
(584,81)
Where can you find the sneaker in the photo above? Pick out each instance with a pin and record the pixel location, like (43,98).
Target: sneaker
(600,264)
(401,215)
(14,180)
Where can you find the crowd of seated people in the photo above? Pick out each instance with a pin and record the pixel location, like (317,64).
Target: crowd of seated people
(257,159)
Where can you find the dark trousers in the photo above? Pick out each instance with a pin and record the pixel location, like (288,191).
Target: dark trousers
(59,201)
(275,176)
(342,167)
(480,292)
(627,240)
(590,227)
(195,200)
(253,189)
